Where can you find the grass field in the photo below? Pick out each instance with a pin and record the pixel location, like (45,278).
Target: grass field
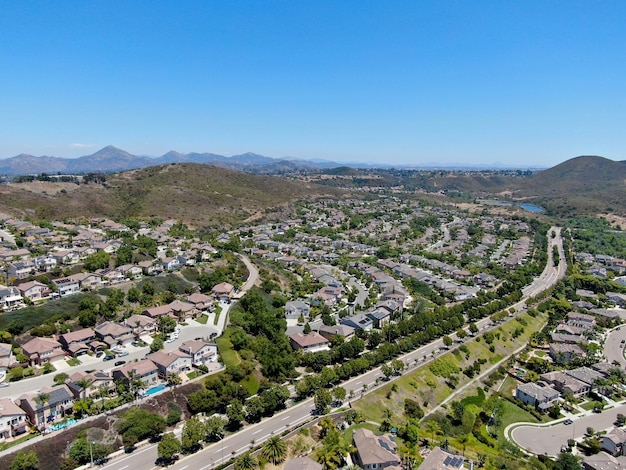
(227,353)
(429,390)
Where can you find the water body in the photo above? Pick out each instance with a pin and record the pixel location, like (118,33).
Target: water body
(528,207)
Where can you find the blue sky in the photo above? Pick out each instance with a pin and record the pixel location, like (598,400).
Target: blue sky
(529,83)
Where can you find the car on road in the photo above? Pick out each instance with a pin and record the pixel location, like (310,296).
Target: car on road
(122,353)
(108,357)
(213,335)
(568,421)
(119,363)
(4,384)
(100,354)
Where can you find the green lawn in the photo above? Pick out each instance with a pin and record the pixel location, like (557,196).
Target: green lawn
(429,390)
(225,348)
(203,319)
(218,310)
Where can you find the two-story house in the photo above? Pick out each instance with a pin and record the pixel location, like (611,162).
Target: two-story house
(66,286)
(13,419)
(311,342)
(47,405)
(170,362)
(144,371)
(34,290)
(77,342)
(201,352)
(42,350)
(113,333)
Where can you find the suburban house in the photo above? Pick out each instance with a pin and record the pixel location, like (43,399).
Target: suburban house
(155,312)
(296,308)
(141,325)
(565,383)
(88,384)
(563,353)
(344,331)
(6,357)
(223,291)
(170,362)
(200,301)
(114,333)
(12,419)
(88,281)
(47,405)
(21,269)
(312,342)
(380,317)
(613,442)
(375,452)
(41,350)
(440,459)
(33,290)
(603,461)
(535,395)
(182,310)
(66,286)
(145,371)
(358,321)
(201,352)
(10,298)
(77,342)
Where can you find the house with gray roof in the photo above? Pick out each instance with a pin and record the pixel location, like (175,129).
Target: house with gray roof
(535,395)
(375,451)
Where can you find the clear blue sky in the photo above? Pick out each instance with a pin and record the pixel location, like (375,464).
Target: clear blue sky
(406,82)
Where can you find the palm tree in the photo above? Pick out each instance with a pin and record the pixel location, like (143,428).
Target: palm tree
(83,384)
(246,462)
(274,450)
(41,399)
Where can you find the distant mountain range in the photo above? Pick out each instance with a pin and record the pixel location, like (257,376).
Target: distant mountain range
(112,159)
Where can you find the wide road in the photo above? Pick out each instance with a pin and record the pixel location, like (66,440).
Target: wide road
(614,346)
(235,444)
(549,439)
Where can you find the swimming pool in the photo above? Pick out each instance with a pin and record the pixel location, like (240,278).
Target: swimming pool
(62,425)
(157,389)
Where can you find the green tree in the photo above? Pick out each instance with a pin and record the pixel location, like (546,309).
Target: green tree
(274,450)
(567,461)
(214,428)
(322,399)
(138,424)
(98,260)
(82,449)
(193,433)
(246,462)
(169,446)
(25,461)
(157,344)
(235,414)
(60,378)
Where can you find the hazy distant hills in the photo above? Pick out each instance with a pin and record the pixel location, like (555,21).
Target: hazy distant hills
(200,195)
(112,159)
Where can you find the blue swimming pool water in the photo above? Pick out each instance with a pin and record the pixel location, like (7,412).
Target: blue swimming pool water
(153,390)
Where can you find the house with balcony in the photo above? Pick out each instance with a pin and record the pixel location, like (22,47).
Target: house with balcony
(21,269)
(10,298)
(89,384)
(13,420)
(141,325)
(66,286)
(201,352)
(145,371)
(34,290)
(48,405)
(170,362)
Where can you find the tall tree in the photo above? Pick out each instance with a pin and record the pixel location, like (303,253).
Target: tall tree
(274,450)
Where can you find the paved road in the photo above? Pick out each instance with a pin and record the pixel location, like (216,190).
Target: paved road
(191,331)
(548,440)
(614,346)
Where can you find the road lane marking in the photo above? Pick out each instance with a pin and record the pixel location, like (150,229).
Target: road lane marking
(286,417)
(256,432)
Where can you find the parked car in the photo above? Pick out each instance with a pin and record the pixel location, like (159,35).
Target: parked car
(568,421)
(4,384)
(108,357)
(99,354)
(122,353)
(119,363)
